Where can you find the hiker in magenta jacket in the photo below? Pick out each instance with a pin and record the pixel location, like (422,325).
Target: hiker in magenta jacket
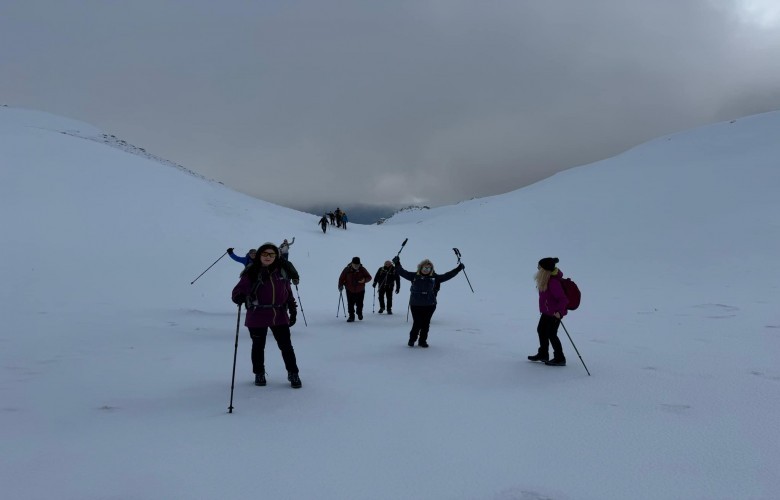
(552,305)
(268,299)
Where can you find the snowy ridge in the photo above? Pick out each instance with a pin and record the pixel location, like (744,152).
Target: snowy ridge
(115,142)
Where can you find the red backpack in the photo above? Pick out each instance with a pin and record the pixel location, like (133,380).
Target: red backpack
(572,292)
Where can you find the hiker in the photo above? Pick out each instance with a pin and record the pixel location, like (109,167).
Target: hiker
(284,248)
(323,223)
(344,220)
(552,305)
(354,277)
(246,260)
(422,298)
(332,218)
(289,269)
(269,304)
(385,277)
(338,217)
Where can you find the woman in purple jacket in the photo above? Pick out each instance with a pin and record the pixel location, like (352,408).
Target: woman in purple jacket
(268,298)
(552,305)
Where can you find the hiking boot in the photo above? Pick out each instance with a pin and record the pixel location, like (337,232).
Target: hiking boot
(360,317)
(350,319)
(295,380)
(260,379)
(542,356)
(410,343)
(556,361)
(381,310)
(389,311)
(422,343)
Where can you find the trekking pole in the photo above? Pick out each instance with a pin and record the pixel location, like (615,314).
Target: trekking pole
(402,247)
(212,265)
(301,304)
(457,252)
(235,354)
(575,347)
(373,304)
(341,303)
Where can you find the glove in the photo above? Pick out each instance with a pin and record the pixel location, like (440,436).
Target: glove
(396,260)
(293,318)
(461,266)
(397,290)
(296,281)
(374,285)
(341,287)
(238,300)
(230,250)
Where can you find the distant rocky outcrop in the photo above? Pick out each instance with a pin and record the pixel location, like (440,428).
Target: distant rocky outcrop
(410,208)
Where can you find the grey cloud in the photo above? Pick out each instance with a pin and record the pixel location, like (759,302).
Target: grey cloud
(305,102)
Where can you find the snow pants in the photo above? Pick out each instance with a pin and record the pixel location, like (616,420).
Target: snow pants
(355,303)
(282,335)
(385,294)
(548,334)
(421,322)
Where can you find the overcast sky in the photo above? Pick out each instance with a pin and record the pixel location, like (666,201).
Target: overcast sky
(303,102)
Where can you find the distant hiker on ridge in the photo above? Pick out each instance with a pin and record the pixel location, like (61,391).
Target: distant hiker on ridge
(323,224)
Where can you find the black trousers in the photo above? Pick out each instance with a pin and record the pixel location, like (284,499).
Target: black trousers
(282,336)
(386,293)
(548,334)
(355,303)
(421,321)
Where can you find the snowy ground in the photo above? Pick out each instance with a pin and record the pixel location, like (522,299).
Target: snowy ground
(115,371)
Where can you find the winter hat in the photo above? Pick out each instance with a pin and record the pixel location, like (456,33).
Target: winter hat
(548,263)
(268,246)
(388,263)
(356,260)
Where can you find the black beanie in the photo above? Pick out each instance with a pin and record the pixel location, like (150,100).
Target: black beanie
(548,263)
(356,260)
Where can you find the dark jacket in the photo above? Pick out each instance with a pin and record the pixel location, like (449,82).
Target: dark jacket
(267,296)
(425,288)
(350,278)
(385,277)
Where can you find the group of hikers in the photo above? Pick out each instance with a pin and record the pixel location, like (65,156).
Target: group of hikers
(264,288)
(337,218)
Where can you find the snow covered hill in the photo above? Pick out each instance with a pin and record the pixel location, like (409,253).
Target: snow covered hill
(115,370)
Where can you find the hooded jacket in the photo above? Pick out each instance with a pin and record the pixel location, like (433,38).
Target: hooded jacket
(553,300)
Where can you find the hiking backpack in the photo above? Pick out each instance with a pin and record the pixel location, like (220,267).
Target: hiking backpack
(572,292)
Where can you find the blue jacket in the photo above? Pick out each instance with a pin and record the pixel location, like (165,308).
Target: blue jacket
(243,260)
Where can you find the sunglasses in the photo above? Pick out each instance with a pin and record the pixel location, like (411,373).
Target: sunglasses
(427,268)
(267,254)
